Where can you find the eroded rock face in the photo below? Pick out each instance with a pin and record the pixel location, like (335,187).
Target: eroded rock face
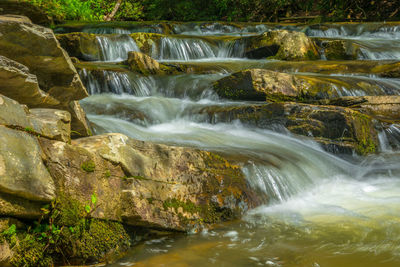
(338,129)
(19,84)
(37,48)
(50,123)
(281,44)
(150,185)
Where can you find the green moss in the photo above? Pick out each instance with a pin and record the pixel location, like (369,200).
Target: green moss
(150,200)
(69,236)
(187,206)
(107,173)
(88,166)
(31,253)
(365,134)
(93,241)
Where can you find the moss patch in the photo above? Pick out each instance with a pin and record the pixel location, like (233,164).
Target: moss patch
(88,166)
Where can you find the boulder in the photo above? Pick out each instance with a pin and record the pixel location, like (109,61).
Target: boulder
(19,84)
(144,64)
(261,85)
(49,123)
(37,48)
(338,129)
(144,184)
(25,8)
(147,41)
(339,49)
(281,44)
(22,172)
(258,84)
(83,46)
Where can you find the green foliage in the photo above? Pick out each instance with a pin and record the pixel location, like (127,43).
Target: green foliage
(10,234)
(207,10)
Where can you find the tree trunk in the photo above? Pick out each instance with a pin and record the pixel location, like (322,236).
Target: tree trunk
(112,14)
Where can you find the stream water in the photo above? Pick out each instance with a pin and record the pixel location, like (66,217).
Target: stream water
(325,210)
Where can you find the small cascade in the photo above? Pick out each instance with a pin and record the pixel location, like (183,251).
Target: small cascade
(184,49)
(359,31)
(389,138)
(231,49)
(116,47)
(368,54)
(98,82)
(187,49)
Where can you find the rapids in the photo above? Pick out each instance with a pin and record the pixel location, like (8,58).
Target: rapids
(324,209)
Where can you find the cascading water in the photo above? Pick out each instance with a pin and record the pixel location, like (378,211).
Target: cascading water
(186,49)
(116,47)
(323,211)
(376,41)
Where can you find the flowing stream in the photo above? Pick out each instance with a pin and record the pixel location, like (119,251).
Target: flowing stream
(324,210)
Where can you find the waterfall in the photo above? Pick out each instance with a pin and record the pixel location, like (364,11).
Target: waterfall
(191,49)
(184,49)
(104,81)
(116,48)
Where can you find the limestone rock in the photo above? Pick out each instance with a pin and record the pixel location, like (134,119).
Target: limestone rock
(258,84)
(50,123)
(337,128)
(19,84)
(81,45)
(19,7)
(22,172)
(143,64)
(19,207)
(149,185)
(37,48)
(79,123)
(281,44)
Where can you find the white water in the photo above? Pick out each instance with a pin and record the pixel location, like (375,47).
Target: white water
(116,47)
(190,49)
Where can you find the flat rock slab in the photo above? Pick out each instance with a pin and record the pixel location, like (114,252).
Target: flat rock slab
(50,123)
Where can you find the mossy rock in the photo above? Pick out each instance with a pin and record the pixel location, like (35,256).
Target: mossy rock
(282,45)
(81,45)
(147,41)
(342,128)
